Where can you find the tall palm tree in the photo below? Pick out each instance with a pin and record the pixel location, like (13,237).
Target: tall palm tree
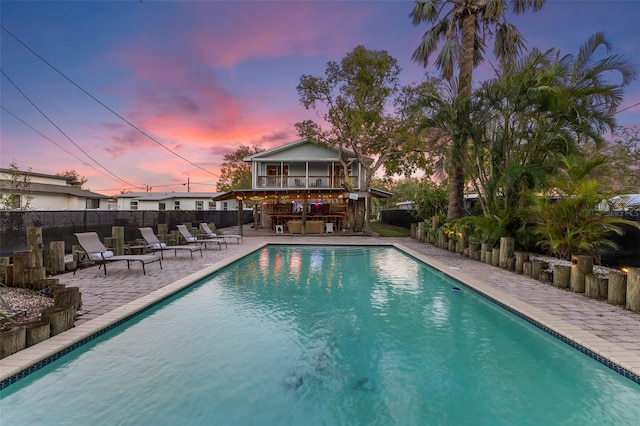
(460,25)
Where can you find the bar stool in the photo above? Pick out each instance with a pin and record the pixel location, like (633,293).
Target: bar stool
(328,228)
(279,229)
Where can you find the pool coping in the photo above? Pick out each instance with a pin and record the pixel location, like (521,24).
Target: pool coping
(23,363)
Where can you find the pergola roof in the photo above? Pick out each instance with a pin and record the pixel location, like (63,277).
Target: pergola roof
(296,192)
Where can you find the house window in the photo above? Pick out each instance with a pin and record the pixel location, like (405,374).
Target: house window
(212,205)
(93,203)
(275,173)
(133,205)
(176,205)
(162,206)
(225,205)
(199,205)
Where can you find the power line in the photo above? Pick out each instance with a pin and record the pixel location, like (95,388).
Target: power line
(61,131)
(55,143)
(629,107)
(105,106)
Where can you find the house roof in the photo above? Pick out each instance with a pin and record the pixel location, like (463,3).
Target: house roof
(292,145)
(46,188)
(30,173)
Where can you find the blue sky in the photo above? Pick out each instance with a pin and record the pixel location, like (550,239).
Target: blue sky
(203,77)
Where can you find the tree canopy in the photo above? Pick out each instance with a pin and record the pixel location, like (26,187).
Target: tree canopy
(235,173)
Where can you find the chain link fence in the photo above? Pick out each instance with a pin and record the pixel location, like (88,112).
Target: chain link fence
(61,225)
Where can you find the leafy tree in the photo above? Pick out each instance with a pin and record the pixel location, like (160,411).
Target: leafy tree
(457,27)
(621,171)
(18,195)
(235,173)
(572,224)
(366,111)
(543,105)
(75,179)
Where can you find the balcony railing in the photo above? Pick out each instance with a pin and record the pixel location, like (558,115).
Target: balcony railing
(303,182)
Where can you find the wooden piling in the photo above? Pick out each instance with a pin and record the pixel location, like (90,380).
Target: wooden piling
(61,318)
(58,248)
(495,256)
(36,332)
(561,276)
(521,258)
(34,243)
(617,292)
(117,232)
(580,266)
(67,296)
(474,251)
(22,262)
(595,287)
(12,341)
(507,246)
(633,289)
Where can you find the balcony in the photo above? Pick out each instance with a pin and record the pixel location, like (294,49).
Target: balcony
(303,182)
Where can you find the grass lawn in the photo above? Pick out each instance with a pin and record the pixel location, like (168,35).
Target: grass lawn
(389,230)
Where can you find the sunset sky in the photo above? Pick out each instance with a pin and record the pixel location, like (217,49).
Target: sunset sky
(203,77)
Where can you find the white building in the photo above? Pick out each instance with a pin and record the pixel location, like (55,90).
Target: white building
(45,192)
(171,201)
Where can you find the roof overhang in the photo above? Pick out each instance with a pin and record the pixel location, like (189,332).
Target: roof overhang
(248,194)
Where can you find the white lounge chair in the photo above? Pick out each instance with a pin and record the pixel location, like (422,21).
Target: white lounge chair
(191,239)
(94,251)
(207,232)
(154,244)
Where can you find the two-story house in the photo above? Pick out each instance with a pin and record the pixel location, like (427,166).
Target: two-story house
(39,191)
(300,183)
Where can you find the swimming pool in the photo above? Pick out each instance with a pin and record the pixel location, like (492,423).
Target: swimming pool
(324,335)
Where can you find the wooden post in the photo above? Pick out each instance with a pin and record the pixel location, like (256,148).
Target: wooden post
(42,284)
(474,251)
(526,268)
(67,296)
(463,242)
(22,262)
(34,243)
(617,292)
(580,267)
(595,287)
(521,257)
(48,261)
(545,276)
(484,249)
(633,289)
(58,248)
(451,244)
(536,269)
(4,262)
(240,217)
(12,341)
(442,239)
(507,246)
(74,250)
(488,256)
(561,276)
(421,231)
(414,227)
(8,275)
(435,223)
(60,317)
(111,243)
(511,264)
(163,232)
(495,256)
(117,233)
(36,332)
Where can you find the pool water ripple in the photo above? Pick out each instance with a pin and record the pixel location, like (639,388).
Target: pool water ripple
(323,336)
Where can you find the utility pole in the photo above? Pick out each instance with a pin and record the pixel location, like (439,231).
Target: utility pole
(188,184)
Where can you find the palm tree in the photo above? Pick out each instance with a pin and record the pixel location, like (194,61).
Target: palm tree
(460,25)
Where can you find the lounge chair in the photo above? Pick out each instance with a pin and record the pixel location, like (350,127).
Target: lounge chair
(94,251)
(207,232)
(154,244)
(191,239)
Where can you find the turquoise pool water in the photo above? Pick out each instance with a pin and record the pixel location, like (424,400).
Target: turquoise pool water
(295,335)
